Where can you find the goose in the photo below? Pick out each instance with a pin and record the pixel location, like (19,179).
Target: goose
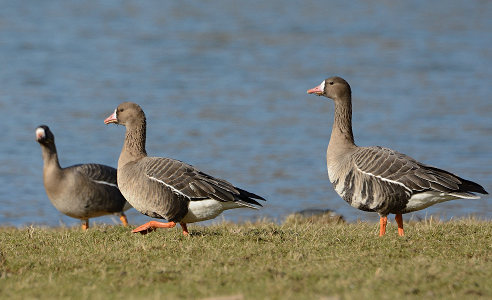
(81,191)
(378,179)
(166,188)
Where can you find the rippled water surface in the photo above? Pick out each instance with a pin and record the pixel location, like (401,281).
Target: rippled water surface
(223,84)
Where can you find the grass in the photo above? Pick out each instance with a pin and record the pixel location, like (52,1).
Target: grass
(294,260)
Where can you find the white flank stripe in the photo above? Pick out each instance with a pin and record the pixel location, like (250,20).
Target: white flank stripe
(176,191)
(105,182)
(384,179)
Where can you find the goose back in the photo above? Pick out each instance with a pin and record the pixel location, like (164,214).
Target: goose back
(163,188)
(385,181)
(85,191)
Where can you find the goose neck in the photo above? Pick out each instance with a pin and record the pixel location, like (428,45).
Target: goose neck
(50,157)
(134,145)
(341,134)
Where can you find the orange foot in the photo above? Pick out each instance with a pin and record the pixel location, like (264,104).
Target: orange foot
(85,224)
(123,219)
(185,229)
(399,221)
(382,225)
(151,226)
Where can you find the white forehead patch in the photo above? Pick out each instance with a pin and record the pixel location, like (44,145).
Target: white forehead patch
(40,132)
(322,86)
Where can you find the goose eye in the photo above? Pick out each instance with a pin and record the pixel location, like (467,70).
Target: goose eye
(121,109)
(331,82)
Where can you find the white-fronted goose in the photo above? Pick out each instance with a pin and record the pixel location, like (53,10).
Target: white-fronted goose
(80,191)
(165,188)
(379,179)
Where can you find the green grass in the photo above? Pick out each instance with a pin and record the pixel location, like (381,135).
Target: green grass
(294,260)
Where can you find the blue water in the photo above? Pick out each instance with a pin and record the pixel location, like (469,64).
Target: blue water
(223,84)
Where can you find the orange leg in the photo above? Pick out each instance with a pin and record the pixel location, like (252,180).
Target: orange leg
(185,229)
(382,225)
(151,226)
(85,224)
(399,221)
(123,219)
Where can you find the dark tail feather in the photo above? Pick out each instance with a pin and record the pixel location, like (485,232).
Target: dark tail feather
(247,197)
(470,186)
(466,186)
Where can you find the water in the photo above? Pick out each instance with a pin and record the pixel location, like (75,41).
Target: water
(224,85)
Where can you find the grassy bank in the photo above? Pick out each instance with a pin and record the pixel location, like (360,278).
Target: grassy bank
(295,260)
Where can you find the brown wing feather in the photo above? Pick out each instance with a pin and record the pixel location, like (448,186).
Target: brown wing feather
(194,184)
(417,177)
(97,172)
